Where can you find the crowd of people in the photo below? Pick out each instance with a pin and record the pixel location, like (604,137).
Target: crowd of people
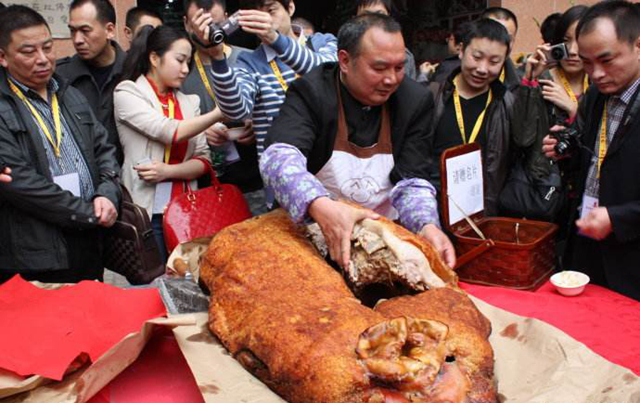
(312,122)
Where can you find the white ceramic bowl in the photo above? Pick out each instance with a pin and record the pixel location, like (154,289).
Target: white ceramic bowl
(570,283)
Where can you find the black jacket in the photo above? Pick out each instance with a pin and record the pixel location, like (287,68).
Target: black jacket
(76,71)
(43,227)
(619,193)
(308,120)
(497,155)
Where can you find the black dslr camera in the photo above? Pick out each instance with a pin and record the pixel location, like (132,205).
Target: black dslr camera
(568,141)
(218,33)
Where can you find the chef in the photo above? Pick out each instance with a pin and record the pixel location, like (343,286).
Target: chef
(356,130)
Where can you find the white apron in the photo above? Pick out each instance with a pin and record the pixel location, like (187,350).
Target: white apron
(361,175)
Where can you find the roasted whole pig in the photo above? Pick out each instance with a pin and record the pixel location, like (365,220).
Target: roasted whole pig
(290,319)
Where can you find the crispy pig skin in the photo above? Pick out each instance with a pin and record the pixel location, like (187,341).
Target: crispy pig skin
(274,296)
(290,319)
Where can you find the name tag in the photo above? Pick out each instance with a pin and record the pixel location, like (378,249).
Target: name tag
(588,203)
(69,182)
(163,195)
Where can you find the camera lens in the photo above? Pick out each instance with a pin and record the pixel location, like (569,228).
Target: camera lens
(557,54)
(561,148)
(217,37)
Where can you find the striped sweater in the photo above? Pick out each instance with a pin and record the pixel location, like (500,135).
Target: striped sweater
(252,90)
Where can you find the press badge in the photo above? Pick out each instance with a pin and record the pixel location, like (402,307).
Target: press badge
(588,203)
(162,197)
(69,182)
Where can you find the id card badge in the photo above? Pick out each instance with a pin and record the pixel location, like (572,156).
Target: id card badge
(163,195)
(69,182)
(588,203)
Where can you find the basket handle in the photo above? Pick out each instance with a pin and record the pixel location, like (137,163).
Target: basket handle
(474,253)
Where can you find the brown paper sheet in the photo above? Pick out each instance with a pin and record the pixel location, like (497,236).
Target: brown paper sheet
(85,383)
(535,363)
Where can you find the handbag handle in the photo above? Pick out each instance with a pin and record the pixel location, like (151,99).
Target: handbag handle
(215,183)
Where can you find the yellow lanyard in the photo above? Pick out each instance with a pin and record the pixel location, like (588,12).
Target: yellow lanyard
(276,71)
(172,115)
(203,76)
(603,140)
(56,118)
(460,117)
(302,41)
(567,86)
(502,75)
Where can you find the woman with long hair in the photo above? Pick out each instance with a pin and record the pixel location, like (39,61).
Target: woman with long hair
(562,82)
(160,128)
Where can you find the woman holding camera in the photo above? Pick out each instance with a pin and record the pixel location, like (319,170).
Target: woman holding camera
(553,83)
(558,69)
(160,128)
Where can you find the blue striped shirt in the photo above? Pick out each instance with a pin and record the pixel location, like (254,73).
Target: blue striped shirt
(71,159)
(252,90)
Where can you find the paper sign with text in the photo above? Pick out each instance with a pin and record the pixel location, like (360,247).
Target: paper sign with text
(464,184)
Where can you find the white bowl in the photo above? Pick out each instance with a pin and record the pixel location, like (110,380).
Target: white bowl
(570,283)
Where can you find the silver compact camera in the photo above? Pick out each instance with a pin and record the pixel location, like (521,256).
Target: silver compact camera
(218,33)
(558,52)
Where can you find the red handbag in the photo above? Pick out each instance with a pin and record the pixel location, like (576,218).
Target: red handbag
(202,213)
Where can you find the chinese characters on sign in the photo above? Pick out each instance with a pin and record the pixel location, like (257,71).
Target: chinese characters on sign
(56,12)
(464,184)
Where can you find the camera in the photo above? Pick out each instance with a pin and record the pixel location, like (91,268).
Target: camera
(219,32)
(558,52)
(567,141)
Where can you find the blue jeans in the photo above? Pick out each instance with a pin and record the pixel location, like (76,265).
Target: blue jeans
(158,233)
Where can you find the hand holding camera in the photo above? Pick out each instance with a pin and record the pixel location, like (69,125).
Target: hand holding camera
(545,57)
(560,142)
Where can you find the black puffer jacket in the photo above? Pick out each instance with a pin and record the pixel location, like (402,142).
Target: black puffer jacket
(43,227)
(497,155)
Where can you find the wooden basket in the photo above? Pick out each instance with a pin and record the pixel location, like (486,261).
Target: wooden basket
(517,254)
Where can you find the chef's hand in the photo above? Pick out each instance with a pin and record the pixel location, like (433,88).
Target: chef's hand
(596,224)
(5,175)
(105,211)
(440,242)
(336,220)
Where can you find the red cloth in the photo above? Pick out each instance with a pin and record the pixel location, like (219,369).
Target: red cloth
(606,322)
(43,331)
(160,375)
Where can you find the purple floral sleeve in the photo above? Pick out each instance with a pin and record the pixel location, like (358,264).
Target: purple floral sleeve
(415,200)
(284,169)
